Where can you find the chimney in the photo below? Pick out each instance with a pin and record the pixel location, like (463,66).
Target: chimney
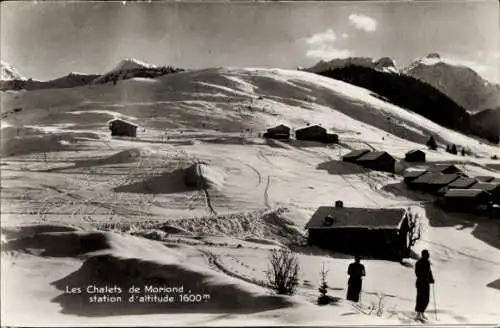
(339,204)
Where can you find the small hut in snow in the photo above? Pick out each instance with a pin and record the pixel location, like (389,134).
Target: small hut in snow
(380,233)
(465,200)
(415,155)
(122,128)
(278,132)
(378,161)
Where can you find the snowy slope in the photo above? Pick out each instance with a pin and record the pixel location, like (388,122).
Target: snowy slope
(63,169)
(462,84)
(8,72)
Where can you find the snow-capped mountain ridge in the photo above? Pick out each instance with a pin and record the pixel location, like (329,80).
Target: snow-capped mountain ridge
(461,83)
(123,67)
(384,64)
(9,72)
(130,63)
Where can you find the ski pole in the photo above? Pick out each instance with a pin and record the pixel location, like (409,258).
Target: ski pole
(435,305)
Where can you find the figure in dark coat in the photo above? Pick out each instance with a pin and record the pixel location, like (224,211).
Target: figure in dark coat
(356,272)
(424,279)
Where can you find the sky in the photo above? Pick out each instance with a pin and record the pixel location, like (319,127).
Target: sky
(45,40)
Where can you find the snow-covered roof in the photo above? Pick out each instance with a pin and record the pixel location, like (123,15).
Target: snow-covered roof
(351,217)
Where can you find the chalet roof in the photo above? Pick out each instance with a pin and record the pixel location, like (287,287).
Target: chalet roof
(122,121)
(413,174)
(436,178)
(372,156)
(443,167)
(485,178)
(310,128)
(463,193)
(462,183)
(414,151)
(486,186)
(280,127)
(350,217)
(356,153)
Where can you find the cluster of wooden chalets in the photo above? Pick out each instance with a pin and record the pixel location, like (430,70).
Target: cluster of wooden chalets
(457,191)
(308,133)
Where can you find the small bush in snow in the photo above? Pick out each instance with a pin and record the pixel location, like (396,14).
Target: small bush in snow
(415,229)
(283,274)
(323,287)
(377,306)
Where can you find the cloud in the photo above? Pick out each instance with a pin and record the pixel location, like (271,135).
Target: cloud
(328,53)
(328,36)
(363,22)
(323,46)
(345,35)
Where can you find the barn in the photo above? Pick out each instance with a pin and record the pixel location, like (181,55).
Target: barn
(278,132)
(122,128)
(460,183)
(377,160)
(415,155)
(464,200)
(311,133)
(409,176)
(380,233)
(445,169)
(492,188)
(355,154)
(432,182)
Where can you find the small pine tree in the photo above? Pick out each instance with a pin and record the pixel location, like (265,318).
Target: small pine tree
(453,149)
(323,287)
(431,143)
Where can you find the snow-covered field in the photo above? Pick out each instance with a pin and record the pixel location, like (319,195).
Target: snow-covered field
(88,209)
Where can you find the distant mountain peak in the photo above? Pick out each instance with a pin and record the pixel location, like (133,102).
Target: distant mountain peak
(123,67)
(131,63)
(461,83)
(384,64)
(433,55)
(8,72)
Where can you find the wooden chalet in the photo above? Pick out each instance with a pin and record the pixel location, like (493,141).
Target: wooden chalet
(415,155)
(380,233)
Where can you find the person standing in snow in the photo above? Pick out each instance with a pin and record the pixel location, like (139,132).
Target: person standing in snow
(424,279)
(356,272)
